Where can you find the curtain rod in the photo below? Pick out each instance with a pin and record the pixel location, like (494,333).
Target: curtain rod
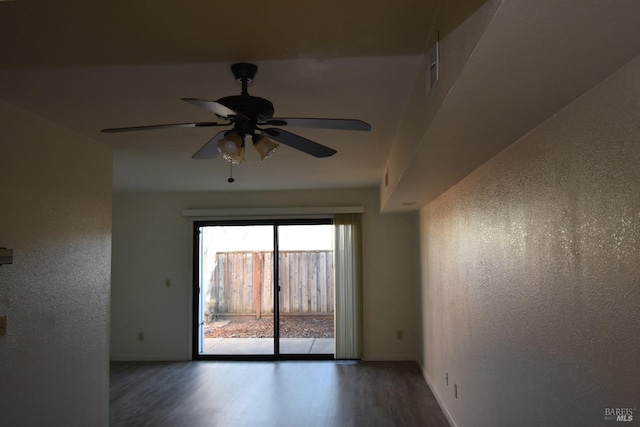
(323,210)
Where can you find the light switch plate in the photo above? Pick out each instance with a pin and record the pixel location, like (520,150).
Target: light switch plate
(6,256)
(3,325)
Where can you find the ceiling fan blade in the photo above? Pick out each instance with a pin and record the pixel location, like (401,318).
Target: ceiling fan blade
(210,149)
(215,107)
(167,126)
(340,124)
(299,143)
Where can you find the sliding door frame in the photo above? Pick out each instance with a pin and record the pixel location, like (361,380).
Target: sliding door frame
(275,222)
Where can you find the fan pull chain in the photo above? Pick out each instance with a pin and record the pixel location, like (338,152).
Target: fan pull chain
(230,172)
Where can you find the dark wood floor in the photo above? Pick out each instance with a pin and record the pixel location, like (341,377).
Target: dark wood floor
(282,394)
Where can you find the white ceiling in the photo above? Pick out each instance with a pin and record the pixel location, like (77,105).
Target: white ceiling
(87,67)
(90,66)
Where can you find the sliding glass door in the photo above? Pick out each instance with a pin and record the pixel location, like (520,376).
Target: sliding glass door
(306,302)
(235,315)
(264,289)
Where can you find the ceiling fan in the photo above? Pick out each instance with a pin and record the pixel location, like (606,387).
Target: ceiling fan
(249,115)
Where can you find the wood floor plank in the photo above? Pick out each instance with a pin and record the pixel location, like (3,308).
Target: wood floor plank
(283,394)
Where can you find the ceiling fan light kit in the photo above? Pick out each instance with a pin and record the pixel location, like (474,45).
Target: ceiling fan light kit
(232,147)
(253,116)
(264,146)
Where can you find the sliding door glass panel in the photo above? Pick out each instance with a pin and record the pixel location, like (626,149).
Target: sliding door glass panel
(237,290)
(306,299)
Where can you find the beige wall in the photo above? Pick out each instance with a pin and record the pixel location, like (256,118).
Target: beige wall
(55,213)
(152,243)
(458,38)
(531,272)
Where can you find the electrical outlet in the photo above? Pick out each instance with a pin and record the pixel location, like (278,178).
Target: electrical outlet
(167,283)
(455,391)
(399,335)
(3,325)
(140,336)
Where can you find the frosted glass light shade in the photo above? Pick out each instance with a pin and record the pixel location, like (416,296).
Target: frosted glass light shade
(264,146)
(232,147)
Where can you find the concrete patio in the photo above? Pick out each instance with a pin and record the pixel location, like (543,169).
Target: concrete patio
(249,346)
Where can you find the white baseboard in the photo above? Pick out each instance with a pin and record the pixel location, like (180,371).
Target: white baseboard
(435,393)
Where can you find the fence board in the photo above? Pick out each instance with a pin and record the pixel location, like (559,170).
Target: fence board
(303,261)
(322,277)
(247,281)
(268,282)
(294,284)
(285,305)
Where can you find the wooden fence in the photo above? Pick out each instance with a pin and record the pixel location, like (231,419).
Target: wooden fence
(242,283)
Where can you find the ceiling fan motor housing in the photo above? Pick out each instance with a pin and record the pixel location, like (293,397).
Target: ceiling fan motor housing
(253,107)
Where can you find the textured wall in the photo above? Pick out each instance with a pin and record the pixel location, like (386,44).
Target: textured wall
(152,243)
(531,272)
(55,212)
